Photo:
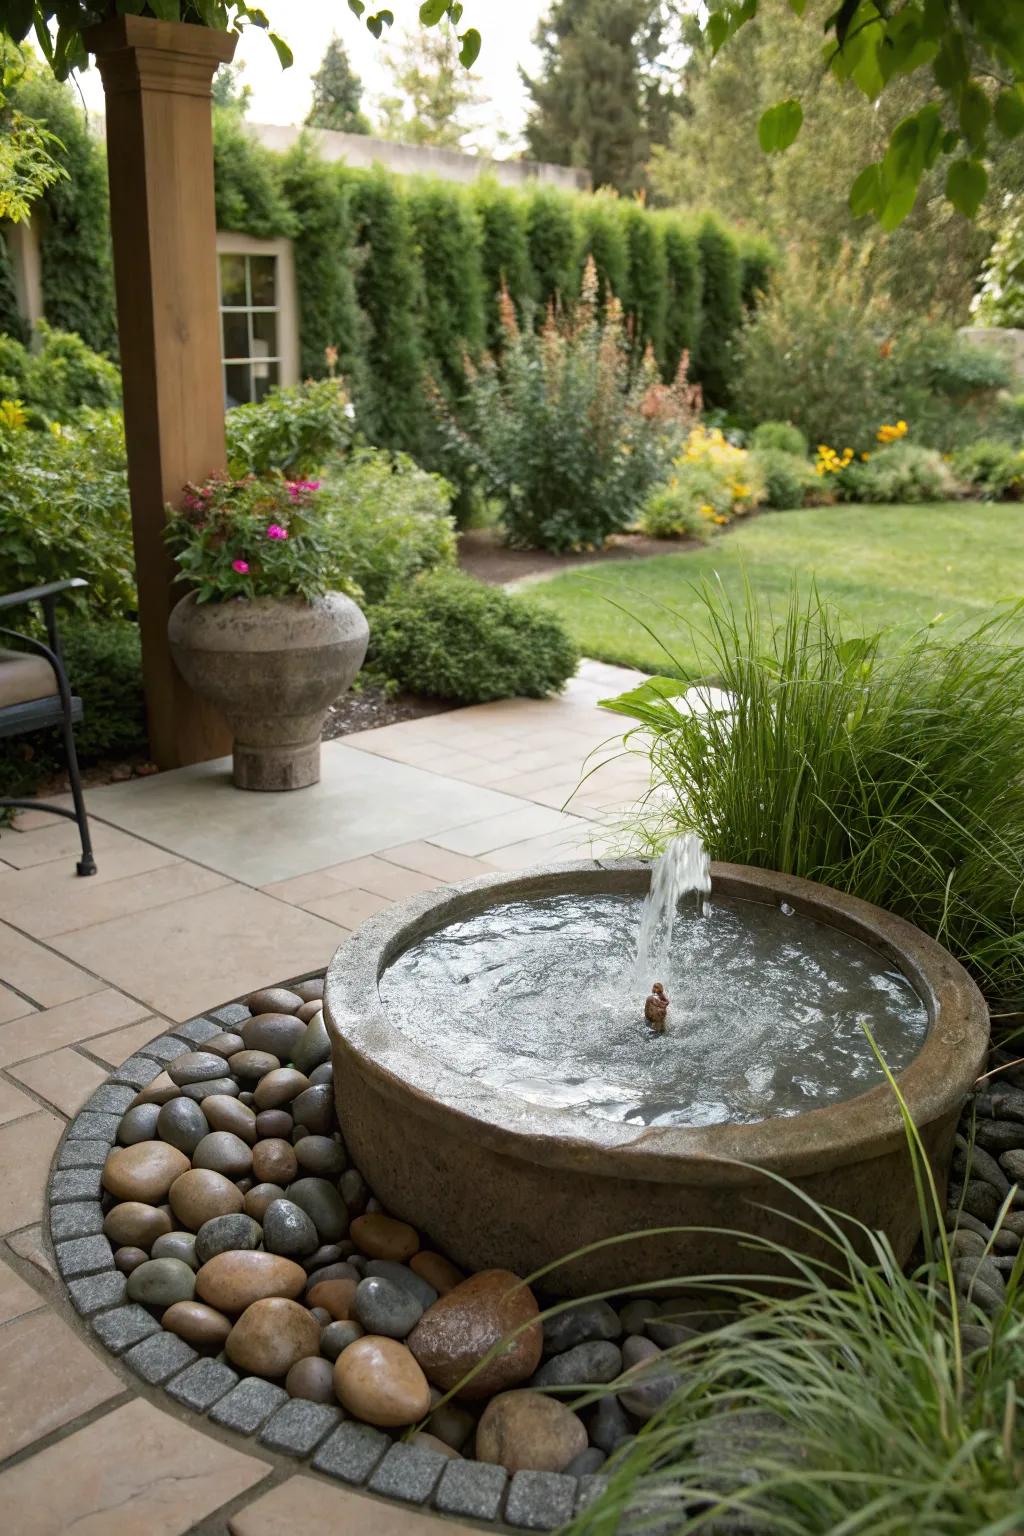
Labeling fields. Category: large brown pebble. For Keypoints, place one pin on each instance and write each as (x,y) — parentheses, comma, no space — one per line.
(127,1259)
(437,1271)
(225,1045)
(135,1225)
(377,1380)
(279,1087)
(233,1281)
(195,1067)
(197,1324)
(225,1113)
(253,1064)
(428,1442)
(274,1000)
(382,1237)
(200,1194)
(225,1153)
(271,1335)
(310,1010)
(315,1109)
(259,1197)
(274,1161)
(278,1033)
(455,1334)
(528,1432)
(335,1296)
(143,1172)
(273,1124)
(157,1092)
(311,990)
(312,1377)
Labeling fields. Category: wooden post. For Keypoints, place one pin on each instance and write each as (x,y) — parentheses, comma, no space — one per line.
(157,79)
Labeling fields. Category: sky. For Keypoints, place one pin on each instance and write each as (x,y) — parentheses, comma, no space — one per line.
(283,96)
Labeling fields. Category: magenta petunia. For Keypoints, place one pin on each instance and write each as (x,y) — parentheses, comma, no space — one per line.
(275,531)
(241,566)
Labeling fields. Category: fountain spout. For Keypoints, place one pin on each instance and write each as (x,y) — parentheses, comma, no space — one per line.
(683,869)
(656,1008)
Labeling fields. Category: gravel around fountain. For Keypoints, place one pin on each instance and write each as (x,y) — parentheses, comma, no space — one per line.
(210,1226)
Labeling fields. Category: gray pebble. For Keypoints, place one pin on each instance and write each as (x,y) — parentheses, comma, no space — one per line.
(386,1308)
(324,1073)
(981,1165)
(314,1047)
(314,1108)
(338,1336)
(138,1124)
(277,1033)
(223,1234)
(999,1135)
(323,1202)
(201,1091)
(587,1462)
(1003,1241)
(226,1044)
(288,1229)
(343,1270)
(402,1275)
(195,1067)
(160,1282)
(580,1324)
(597,1361)
(182,1124)
(634,1314)
(609,1426)
(981,1199)
(176,1245)
(224,1152)
(354,1191)
(321,1156)
(1013,1163)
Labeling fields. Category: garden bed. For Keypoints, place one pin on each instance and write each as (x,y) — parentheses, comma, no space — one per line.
(483,554)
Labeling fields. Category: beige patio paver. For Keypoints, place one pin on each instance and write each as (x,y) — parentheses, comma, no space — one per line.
(27,1146)
(134,1472)
(63,1078)
(37,903)
(349,908)
(122,1043)
(304,1506)
(16,1296)
(12,1006)
(48,1376)
(30,1245)
(441,863)
(14,1103)
(97,1014)
(40,974)
(59,843)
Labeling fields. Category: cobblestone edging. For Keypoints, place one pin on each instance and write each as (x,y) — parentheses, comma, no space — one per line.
(315,1433)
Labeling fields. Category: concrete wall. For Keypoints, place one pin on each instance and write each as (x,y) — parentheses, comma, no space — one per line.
(360,149)
(1008,343)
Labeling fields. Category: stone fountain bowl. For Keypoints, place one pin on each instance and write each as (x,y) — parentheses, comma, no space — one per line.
(497,1182)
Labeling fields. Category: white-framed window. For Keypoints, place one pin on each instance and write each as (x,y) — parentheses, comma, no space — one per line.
(259,336)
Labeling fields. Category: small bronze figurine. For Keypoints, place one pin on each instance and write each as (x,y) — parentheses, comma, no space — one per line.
(656,1008)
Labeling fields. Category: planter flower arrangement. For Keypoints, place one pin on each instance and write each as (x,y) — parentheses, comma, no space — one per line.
(260,635)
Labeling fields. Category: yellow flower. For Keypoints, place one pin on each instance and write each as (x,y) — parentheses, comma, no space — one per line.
(866,457)
(12,415)
(720,519)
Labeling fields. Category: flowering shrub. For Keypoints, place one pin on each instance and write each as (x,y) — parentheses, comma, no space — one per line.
(564,433)
(790,480)
(891,432)
(901,473)
(712,481)
(829,462)
(259,536)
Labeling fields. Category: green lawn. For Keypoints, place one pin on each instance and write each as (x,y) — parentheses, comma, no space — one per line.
(892,568)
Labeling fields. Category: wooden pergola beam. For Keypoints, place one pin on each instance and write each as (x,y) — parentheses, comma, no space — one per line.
(157,79)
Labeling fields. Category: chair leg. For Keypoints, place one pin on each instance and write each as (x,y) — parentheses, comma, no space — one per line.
(86,864)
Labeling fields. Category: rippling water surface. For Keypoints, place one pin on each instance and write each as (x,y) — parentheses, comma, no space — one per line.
(540,998)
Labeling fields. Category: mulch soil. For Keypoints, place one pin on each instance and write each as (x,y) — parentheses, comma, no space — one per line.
(483,554)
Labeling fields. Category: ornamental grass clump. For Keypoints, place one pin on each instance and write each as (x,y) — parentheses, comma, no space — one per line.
(566,433)
(258,536)
(894,775)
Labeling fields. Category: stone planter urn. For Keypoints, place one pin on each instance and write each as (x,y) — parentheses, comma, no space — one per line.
(272,665)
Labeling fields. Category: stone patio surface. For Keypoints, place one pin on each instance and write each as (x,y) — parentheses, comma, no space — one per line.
(205,893)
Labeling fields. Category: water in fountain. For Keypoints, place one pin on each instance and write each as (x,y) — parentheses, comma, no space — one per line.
(542,998)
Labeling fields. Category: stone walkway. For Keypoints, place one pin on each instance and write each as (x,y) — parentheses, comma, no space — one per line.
(203,894)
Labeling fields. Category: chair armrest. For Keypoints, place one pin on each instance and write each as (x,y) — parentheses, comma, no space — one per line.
(38,594)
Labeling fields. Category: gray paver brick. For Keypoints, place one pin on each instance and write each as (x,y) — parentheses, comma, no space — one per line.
(76,1184)
(77,1219)
(248,1405)
(84,1256)
(83,1154)
(299,1426)
(351,1453)
(111,1099)
(160,1356)
(408,1472)
(199,1029)
(95,1292)
(540,1501)
(231,1013)
(590,1488)
(471,1488)
(94,1126)
(164,1048)
(125,1326)
(137,1071)
(203,1384)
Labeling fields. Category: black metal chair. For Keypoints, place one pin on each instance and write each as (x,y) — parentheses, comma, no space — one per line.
(35,693)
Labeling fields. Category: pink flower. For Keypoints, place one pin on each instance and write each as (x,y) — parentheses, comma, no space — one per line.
(241,566)
(297,488)
(275,531)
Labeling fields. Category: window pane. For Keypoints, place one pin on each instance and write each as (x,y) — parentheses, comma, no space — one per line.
(263,276)
(264,333)
(232,280)
(237,384)
(265,375)
(236,334)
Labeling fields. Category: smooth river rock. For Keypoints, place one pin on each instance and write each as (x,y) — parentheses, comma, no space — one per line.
(279,1087)
(276,1033)
(225,1153)
(382,1237)
(310,990)
(182,1124)
(335,1296)
(197,1324)
(378,1380)
(437,1271)
(311,1378)
(273,1123)
(321,1201)
(225,1044)
(314,1108)
(321,1156)
(227,1114)
(222,1234)
(528,1432)
(138,1124)
(233,1281)
(579,1324)
(338,1335)
(455,1334)
(274,1000)
(132,1224)
(288,1230)
(595,1362)
(314,1047)
(253,1064)
(176,1245)
(143,1172)
(214,1088)
(407,1278)
(386,1308)
(129,1259)
(161,1282)
(274,1161)
(195,1067)
(271,1335)
(260,1197)
(200,1194)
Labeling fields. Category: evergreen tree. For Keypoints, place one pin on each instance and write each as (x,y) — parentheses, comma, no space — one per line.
(229,92)
(435,95)
(337,93)
(605,94)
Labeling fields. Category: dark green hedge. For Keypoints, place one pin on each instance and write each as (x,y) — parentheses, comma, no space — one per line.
(402,277)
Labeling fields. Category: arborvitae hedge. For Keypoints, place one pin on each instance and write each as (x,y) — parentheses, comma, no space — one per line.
(402,276)
(11,322)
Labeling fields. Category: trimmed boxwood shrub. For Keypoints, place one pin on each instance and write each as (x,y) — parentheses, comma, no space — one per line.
(903,473)
(781,435)
(991,469)
(451,637)
(789,479)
